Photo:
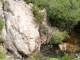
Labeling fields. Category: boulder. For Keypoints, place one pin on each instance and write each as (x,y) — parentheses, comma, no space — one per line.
(20,33)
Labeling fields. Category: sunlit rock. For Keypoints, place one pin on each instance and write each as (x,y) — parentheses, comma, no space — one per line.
(68,47)
(20,33)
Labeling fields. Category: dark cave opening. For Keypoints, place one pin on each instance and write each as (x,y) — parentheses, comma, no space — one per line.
(76,28)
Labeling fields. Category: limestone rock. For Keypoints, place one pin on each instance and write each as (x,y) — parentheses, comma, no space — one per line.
(20,34)
(69,47)
(1,10)
(45,30)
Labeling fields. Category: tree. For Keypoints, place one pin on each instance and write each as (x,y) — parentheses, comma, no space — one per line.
(61,13)
(64,13)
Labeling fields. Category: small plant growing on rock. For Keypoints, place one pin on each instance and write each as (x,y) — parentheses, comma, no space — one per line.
(3,54)
(36,56)
(1,24)
(52,59)
(0,40)
(58,37)
(66,57)
(38,15)
(0,0)
(1,27)
(28,1)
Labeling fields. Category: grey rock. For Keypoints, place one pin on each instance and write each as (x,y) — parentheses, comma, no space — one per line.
(20,34)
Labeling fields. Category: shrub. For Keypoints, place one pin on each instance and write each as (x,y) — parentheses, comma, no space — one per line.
(36,56)
(52,59)
(2,54)
(0,39)
(58,37)
(1,24)
(63,14)
(28,1)
(66,57)
(0,0)
(39,3)
(38,15)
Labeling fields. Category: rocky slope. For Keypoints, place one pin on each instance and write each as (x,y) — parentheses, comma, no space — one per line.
(21,34)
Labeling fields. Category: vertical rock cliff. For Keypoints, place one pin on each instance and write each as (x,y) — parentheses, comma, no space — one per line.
(20,33)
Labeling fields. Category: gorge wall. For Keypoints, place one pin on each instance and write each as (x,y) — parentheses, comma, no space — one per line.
(21,33)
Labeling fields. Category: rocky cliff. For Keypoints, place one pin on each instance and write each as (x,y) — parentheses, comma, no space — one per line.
(21,34)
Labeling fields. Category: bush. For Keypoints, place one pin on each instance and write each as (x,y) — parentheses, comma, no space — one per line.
(36,56)
(0,39)
(38,15)
(0,0)
(28,1)
(2,54)
(58,37)
(66,57)
(52,59)
(1,24)
(71,56)
(63,14)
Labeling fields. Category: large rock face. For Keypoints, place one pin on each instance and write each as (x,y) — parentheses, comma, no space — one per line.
(1,10)
(20,33)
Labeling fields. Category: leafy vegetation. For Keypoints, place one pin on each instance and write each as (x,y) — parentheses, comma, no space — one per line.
(1,24)
(2,54)
(36,56)
(63,14)
(0,0)
(52,59)
(37,14)
(1,27)
(66,57)
(2,51)
(58,37)
(0,39)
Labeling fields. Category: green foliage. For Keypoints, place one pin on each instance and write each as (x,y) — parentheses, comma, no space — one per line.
(39,3)
(52,59)
(71,56)
(2,54)
(38,15)
(58,37)
(61,13)
(66,57)
(28,1)
(36,56)
(1,24)
(0,39)
(0,0)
